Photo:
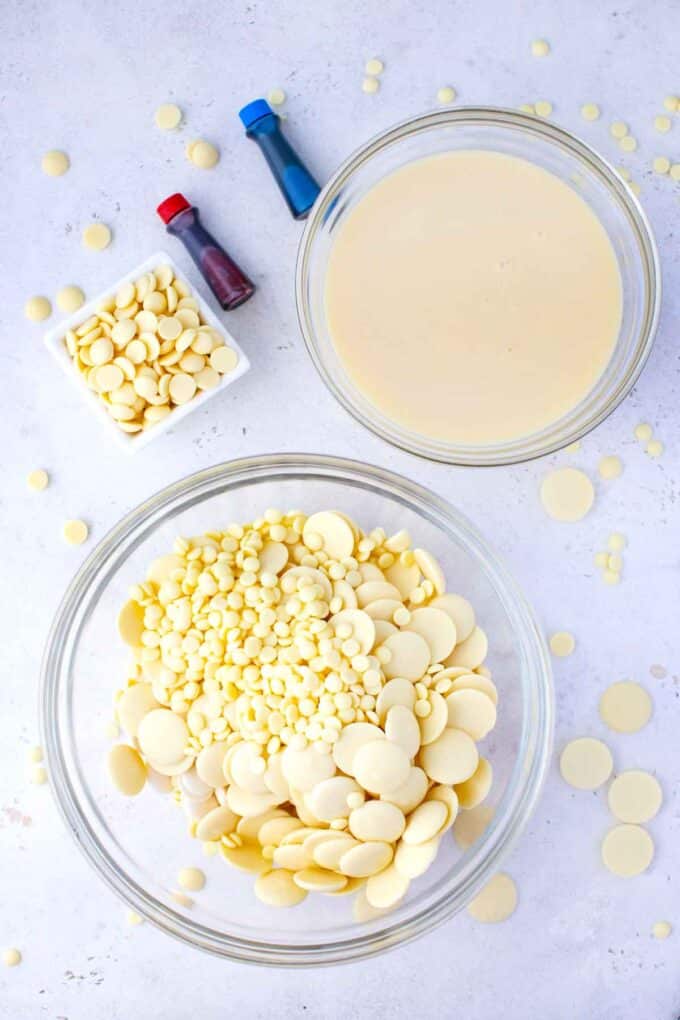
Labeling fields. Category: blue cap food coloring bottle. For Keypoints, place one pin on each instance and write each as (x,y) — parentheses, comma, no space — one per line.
(297,185)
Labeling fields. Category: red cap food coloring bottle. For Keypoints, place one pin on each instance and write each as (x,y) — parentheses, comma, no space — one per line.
(227,281)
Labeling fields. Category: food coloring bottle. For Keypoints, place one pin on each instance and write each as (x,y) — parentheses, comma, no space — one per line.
(227,281)
(297,185)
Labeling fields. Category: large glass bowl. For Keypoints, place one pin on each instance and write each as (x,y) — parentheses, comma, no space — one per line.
(138,845)
(555,150)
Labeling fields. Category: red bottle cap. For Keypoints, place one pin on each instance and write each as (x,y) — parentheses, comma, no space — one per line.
(176,203)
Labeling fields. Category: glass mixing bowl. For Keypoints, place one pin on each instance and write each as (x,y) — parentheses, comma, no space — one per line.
(137,845)
(555,150)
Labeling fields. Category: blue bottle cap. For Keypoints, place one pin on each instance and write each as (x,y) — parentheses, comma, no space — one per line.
(254,111)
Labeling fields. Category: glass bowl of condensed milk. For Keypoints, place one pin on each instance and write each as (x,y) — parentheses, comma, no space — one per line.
(139,844)
(478,286)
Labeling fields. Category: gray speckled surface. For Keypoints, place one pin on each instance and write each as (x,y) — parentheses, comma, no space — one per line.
(87,77)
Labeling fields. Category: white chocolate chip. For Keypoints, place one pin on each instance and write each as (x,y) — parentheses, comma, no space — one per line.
(451,758)
(446,95)
(627,850)
(562,643)
(11,957)
(70,299)
(96,236)
(37,309)
(75,532)
(191,879)
(540,48)
(168,117)
(38,480)
(590,111)
(370,85)
(567,494)
(625,707)
(586,763)
(203,154)
(635,796)
(127,770)
(496,901)
(55,163)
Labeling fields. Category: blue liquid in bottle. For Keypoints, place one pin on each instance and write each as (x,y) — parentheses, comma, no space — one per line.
(297,185)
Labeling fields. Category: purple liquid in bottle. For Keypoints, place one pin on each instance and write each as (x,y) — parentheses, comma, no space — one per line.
(228,282)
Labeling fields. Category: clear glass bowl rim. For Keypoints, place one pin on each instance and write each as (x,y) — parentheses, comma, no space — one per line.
(523,788)
(504,453)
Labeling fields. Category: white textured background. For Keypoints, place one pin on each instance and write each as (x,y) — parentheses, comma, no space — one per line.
(86,77)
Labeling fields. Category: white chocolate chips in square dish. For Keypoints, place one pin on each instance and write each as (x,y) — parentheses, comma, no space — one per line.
(316,697)
(147,350)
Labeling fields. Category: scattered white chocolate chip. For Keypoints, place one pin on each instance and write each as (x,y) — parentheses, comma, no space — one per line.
(55,163)
(203,154)
(662,123)
(675,171)
(610,467)
(661,164)
(562,643)
(38,480)
(96,236)
(35,753)
(616,541)
(654,448)
(627,850)
(374,66)
(628,143)
(168,116)
(635,796)
(496,901)
(370,85)
(70,299)
(446,95)
(540,48)
(590,111)
(643,432)
(567,494)
(671,103)
(543,108)
(133,918)
(661,929)
(11,957)
(619,129)
(75,532)
(38,775)
(586,763)
(625,707)
(37,309)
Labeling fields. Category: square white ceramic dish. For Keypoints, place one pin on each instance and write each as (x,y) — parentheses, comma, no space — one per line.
(54,341)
